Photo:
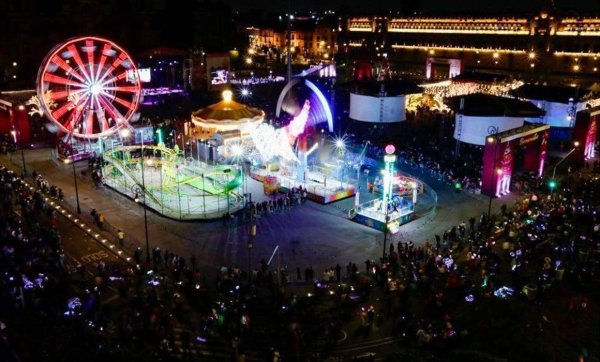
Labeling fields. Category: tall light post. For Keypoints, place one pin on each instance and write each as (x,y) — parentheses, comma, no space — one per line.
(489,213)
(143,191)
(493,138)
(388,177)
(359,165)
(151,163)
(72,162)
(575,144)
(251,235)
(340,146)
(14,134)
(552,184)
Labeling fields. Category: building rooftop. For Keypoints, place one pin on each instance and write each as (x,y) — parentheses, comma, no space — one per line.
(479,77)
(485,105)
(557,94)
(390,87)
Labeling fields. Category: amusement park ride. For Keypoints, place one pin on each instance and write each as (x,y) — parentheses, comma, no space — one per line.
(90,89)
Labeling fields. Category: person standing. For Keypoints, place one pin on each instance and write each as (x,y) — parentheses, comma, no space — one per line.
(100,220)
(121,236)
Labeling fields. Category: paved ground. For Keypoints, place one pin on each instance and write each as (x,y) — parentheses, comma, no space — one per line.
(308,234)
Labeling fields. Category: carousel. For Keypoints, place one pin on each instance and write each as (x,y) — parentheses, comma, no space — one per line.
(222,128)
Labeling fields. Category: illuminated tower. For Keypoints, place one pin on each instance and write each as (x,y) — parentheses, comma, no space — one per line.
(388,175)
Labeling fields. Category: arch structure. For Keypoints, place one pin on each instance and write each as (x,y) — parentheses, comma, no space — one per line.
(498,156)
(319,97)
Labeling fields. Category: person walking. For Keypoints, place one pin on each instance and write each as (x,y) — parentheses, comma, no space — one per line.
(121,236)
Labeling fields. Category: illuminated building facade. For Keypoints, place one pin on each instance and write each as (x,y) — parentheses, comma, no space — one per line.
(541,44)
(310,38)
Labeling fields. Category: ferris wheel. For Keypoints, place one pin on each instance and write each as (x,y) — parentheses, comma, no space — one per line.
(89,87)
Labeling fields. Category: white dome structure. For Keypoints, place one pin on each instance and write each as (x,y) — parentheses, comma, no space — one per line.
(479,115)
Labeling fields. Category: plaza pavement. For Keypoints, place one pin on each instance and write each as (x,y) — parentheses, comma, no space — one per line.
(307,235)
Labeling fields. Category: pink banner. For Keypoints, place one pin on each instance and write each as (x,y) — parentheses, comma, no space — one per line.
(590,139)
(492,155)
(585,132)
(505,170)
(542,152)
(498,160)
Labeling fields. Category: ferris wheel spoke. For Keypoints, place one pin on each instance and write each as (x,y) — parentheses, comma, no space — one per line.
(116,78)
(65,93)
(104,126)
(53,78)
(89,49)
(59,112)
(83,105)
(89,122)
(116,63)
(79,62)
(73,119)
(67,68)
(111,109)
(122,102)
(70,124)
(105,51)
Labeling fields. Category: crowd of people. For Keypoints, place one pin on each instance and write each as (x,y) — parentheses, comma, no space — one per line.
(31,261)
(536,262)
(278,203)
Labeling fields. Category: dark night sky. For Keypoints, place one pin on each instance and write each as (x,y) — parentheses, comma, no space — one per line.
(426,5)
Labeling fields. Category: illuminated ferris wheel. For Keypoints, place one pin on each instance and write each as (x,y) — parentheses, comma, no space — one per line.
(89,87)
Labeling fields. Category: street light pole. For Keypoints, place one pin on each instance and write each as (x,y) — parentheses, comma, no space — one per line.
(251,235)
(576,144)
(23,160)
(20,144)
(145,204)
(75,182)
(385,230)
(493,138)
(74,175)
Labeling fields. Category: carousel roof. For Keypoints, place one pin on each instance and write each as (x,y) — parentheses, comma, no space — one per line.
(227,113)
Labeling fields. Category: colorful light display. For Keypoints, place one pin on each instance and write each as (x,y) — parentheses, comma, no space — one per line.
(319,100)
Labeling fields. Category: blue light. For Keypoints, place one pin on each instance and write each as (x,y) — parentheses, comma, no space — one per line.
(323,101)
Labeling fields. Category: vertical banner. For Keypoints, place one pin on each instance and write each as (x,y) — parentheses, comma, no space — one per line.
(542,152)
(585,132)
(591,136)
(532,157)
(492,154)
(535,152)
(506,169)
(21,122)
